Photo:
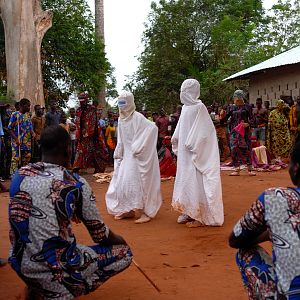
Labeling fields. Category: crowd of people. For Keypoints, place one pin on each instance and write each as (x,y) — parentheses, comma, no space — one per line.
(45,152)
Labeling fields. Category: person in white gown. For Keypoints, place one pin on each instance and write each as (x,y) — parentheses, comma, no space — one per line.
(197,191)
(135,186)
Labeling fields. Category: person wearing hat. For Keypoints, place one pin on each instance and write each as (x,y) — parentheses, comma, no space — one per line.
(88,150)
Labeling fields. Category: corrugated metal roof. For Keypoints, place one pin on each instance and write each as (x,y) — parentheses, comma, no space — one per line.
(286,58)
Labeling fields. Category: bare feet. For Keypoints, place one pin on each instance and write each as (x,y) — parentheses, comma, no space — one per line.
(251,173)
(143,219)
(183,219)
(129,214)
(194,224)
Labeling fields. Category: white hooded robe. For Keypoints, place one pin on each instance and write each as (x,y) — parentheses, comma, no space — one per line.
(197,190)
(136,180)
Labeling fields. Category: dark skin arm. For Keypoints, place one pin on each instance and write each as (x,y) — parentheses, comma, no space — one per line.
(242,242)
(113,239)
(14,136)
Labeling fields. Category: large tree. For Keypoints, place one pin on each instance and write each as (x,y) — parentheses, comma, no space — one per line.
(208,40)
(25,24)
(99,29)
(73,58)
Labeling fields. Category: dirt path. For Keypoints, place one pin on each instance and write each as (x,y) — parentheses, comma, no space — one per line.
(185,263)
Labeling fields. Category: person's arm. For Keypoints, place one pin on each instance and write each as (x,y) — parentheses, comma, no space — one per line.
(13,121)
(251,229)
(31,129)
(88,213)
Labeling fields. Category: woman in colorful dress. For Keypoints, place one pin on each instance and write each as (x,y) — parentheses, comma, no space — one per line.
(21,131)
(273,217)
(240,134)
(279,141)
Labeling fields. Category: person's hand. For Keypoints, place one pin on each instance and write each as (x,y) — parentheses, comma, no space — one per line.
(114,239)
(72,127)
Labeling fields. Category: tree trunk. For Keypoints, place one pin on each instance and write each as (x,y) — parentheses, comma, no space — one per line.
(99,29)
(25,24)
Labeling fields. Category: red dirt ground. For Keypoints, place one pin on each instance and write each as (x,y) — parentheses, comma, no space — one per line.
(185,263)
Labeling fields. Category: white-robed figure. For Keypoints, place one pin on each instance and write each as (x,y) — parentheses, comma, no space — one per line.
(197,191)
(135,186)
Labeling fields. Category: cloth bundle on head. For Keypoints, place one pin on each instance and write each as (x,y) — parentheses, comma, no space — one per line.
(83,96)
(126,105)
(190,92)
(240,95)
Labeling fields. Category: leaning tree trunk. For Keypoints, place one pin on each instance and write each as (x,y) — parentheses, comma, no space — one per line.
(99,29)
(25,24)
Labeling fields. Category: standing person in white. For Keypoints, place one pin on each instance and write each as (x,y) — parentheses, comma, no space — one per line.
(197,191)
(135,186)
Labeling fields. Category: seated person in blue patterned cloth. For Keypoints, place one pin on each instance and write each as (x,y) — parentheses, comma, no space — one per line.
(44,198)
(274,216)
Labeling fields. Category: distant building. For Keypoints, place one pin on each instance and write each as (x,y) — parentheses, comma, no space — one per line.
(279,75)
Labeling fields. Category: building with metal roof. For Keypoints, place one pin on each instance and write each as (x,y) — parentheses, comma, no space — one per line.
(275,77)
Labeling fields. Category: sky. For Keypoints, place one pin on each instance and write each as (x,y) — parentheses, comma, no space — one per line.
(123,26)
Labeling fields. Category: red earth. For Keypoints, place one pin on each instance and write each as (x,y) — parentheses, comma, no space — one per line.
(185,263)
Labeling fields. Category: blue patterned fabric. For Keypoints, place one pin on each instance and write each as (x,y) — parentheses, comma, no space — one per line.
(44,199)
(278,211)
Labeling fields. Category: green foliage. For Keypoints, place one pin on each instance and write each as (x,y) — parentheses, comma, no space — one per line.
(207,40)
(72,58)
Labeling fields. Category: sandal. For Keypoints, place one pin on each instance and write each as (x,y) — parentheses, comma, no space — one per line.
(235,173)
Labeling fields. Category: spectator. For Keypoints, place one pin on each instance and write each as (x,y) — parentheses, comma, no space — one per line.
(38,124)
(162,122)
(45,199)
(273,217)
(260,120)
(21,131)
(53,115)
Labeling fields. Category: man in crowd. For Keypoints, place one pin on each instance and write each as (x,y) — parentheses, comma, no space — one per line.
(21,131)
(53,115)
(88,152)
(5,160)
(135,186)
(273,217)
(197,191)
(38,124)
(44,198)
(72,127)
(294,117)
(260,121)
(162,122)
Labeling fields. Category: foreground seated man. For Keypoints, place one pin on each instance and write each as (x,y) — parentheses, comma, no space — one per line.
(275,217)
(135,186)
(44,198)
